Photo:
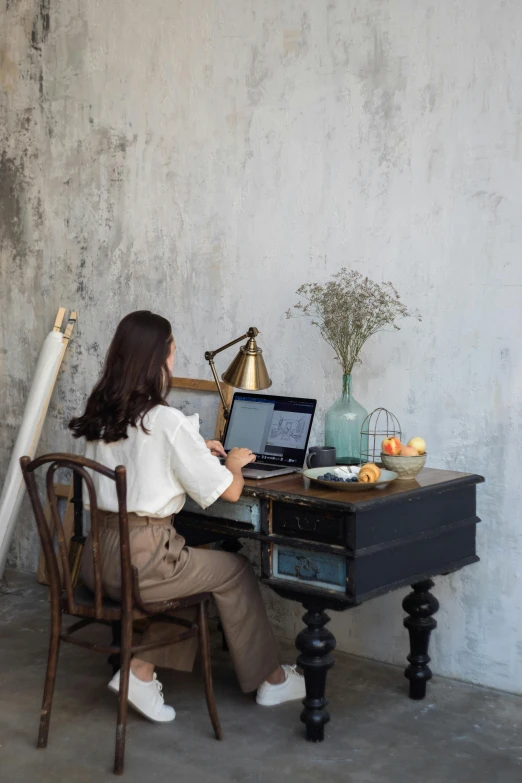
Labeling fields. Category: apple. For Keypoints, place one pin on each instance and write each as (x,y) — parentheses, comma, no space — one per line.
(391,446)
(409,451)
(418,444)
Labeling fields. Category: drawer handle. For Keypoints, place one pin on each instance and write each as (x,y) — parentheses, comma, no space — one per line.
(310,527)
(305,565)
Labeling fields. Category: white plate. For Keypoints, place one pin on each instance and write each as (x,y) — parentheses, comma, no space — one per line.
(386,477)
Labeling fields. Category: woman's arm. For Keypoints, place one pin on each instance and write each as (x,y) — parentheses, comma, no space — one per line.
(216,448)
(200,474)
(236,460)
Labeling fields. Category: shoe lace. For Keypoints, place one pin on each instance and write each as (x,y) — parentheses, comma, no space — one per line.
(291,670)
(159,686)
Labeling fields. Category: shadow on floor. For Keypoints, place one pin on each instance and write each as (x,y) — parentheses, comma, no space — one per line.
(459,734)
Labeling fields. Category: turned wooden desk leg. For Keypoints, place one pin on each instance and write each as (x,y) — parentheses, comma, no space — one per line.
(315,643)
(420,606)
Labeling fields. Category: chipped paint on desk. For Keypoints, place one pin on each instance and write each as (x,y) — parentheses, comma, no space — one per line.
(246,510)
(314,568)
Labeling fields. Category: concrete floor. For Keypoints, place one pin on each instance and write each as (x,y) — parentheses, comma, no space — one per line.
(460,734)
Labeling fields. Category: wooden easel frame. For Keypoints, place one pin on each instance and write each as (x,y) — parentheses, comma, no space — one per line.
(210,386)
(62,490)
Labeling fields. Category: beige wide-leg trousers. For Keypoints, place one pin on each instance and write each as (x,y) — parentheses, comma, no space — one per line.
(168,570)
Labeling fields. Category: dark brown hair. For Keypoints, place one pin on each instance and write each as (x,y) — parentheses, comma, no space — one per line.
(134,379)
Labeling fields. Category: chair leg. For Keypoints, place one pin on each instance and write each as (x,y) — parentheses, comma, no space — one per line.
(50,678)
(121,727)
(114,660)
(204,644)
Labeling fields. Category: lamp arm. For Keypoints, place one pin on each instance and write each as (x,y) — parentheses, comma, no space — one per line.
(252,332)
(226,411)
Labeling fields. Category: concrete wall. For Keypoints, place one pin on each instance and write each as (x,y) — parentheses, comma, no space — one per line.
(203,158)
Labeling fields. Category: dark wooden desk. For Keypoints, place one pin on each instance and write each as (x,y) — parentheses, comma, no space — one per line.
(334,550)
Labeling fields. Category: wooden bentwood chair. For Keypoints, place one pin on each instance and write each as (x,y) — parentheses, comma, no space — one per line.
(94,607)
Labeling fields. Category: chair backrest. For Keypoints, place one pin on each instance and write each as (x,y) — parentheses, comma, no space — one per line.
(79,466)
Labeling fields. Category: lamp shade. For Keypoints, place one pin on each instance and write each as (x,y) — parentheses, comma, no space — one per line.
(248,370)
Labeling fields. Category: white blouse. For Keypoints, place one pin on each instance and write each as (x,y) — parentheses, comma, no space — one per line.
(162,468)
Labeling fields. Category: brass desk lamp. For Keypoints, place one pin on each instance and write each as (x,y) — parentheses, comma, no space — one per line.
(247,371)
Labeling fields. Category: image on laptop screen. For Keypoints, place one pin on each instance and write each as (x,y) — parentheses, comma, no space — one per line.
(276,429)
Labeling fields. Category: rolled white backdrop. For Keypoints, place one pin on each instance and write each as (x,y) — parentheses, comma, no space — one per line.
(27,441)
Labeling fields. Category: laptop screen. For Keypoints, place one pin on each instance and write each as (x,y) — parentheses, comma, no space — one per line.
(276,429)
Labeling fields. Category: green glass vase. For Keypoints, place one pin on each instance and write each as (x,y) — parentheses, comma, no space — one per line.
(343,425)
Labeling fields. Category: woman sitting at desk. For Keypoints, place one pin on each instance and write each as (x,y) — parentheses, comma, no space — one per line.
(128,422)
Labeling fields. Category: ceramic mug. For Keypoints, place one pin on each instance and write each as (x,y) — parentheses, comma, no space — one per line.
(321,457)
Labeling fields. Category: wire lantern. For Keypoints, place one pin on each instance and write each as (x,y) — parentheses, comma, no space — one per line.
(379,424)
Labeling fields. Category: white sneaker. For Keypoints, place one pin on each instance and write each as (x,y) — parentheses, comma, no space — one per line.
(292,688)
(145,697)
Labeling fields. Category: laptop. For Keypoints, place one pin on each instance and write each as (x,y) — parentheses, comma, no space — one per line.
(276,429)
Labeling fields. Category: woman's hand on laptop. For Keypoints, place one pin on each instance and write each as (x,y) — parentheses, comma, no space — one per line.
(216,448)
(238,458)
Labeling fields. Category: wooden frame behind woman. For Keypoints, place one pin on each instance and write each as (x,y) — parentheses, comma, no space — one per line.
(208,386)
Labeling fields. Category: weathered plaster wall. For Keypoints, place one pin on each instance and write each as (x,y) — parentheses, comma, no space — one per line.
(205,157)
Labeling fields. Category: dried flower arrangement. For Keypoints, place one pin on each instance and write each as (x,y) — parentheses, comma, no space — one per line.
(349,309)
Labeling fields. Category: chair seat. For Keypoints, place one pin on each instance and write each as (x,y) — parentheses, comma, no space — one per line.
(85,597)
(84,600)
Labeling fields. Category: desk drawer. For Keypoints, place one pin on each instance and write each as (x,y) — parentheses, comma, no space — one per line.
(246,511)
(305,567)
(308,523)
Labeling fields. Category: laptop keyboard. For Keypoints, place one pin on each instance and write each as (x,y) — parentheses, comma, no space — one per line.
(260,466)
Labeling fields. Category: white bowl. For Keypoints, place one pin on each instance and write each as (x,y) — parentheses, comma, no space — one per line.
(386,477)
(406,468)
